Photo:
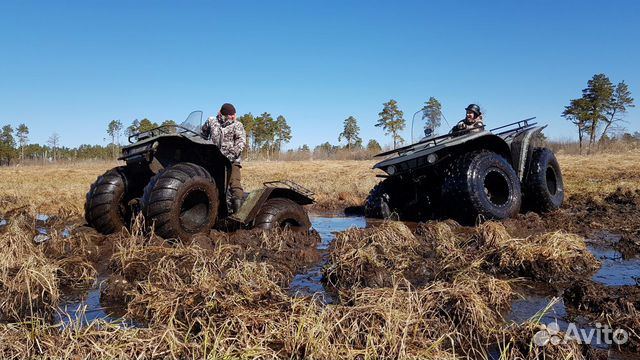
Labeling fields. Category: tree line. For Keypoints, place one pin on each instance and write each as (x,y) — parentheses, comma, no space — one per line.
(14,146)
(598,116)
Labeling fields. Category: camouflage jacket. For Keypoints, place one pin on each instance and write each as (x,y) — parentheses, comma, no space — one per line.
(227,135)
(464,125)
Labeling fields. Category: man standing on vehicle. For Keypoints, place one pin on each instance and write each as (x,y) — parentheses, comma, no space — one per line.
(228,134)
(472,121)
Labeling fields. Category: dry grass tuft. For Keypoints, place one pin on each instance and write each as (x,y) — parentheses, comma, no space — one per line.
(374,257)
(517,342)
(550,257)
(28,283)
(76,272)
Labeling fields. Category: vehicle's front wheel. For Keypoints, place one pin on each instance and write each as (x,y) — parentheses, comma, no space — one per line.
(282,213)
(381,199)
(481,184)
(106,208)
(181,201)
(543,187)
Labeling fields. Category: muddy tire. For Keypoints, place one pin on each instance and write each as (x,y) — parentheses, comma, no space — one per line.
(543,187)
(481,184)
(379,201)
(181,201)
(282,213)
(106,208)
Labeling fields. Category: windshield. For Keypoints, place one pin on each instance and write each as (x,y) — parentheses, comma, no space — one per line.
(427,123)
(193,121)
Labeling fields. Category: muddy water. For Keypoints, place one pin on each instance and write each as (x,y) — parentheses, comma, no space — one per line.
(533,298)
(616,269)
(309,282)
(85,307)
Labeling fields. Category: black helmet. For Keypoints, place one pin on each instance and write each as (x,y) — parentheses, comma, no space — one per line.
(474,108)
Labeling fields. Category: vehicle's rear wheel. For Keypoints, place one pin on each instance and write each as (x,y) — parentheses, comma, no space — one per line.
(106,208)
(543,187)
(282,213)
(380,201)
(481,184)
(181,201)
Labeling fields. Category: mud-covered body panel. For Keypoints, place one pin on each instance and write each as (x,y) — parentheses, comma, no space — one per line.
(254,201)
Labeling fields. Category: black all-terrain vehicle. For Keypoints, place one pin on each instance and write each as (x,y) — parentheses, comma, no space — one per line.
(469,175)
(178,180)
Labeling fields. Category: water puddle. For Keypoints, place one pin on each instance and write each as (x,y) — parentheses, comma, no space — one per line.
(3,223)
(533,299)
(310,282)
(43,229)
(84,307)
(616,270)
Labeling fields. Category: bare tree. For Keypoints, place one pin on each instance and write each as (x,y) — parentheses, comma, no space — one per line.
(54,142)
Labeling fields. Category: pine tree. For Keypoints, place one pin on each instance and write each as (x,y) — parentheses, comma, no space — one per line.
(7,144)
(617,107)
(373,146)
(282,132)
(350,132)
(432,114)
(23,138)
(248,121)
(391,121)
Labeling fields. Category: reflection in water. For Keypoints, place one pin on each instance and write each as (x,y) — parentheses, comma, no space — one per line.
(615,270)
(310,282)
(85,307)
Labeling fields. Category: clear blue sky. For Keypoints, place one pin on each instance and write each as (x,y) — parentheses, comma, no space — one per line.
(72,66)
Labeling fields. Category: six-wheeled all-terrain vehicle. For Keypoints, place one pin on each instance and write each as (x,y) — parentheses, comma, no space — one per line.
(178,180)
(469,175)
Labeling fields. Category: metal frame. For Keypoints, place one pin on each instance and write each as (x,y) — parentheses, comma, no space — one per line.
(521,124)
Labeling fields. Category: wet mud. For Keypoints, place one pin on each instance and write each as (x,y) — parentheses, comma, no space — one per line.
(469,271)
(616,306)
(613,220)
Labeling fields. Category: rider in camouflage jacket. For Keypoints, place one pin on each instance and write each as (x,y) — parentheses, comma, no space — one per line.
(229,136)
(473,121)
(226,133)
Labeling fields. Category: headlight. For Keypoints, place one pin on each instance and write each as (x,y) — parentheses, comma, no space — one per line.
(432,158)
(391,170)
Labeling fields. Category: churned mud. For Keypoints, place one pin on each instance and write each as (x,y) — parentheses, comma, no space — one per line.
(435,289)
(618,306)
(612,220)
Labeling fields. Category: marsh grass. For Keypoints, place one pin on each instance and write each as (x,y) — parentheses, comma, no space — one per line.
(337,183)
(28,282)
(437,292)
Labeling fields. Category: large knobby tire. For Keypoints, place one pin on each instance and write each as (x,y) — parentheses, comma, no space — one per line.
(106,208)
(543,187)
(282,213)
(379,203)
(481,184)
(181,201)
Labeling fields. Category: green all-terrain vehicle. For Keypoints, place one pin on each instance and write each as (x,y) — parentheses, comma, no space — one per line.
(179,180)
(467,175)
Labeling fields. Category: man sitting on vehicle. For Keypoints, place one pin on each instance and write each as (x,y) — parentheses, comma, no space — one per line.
(229,136)
(472,122)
